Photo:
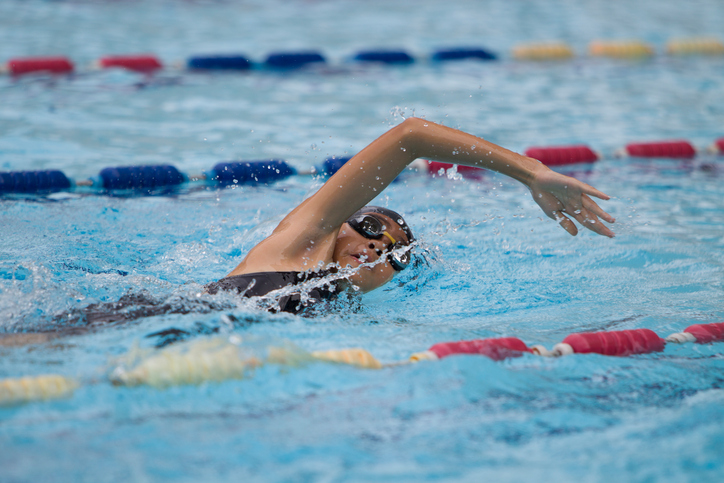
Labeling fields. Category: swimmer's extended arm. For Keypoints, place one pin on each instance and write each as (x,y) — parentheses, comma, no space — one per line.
(369,172)
(555,193)
(305,238)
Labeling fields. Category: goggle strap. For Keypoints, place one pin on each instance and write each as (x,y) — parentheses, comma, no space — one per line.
(390,237)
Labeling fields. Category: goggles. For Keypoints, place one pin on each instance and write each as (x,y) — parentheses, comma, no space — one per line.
(371,227)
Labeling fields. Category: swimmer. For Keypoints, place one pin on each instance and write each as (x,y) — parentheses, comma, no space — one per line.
(334,231)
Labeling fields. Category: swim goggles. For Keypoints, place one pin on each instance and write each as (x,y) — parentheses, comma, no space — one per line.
(373,228)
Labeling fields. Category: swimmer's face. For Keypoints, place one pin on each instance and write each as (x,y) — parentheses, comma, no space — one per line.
(352,250)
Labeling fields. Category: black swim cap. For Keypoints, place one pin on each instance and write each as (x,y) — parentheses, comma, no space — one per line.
(396,217)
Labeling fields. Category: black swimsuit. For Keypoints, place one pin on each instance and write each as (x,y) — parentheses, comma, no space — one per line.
(261,283)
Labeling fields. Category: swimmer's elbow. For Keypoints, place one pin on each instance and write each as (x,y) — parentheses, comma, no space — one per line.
(413,126)
(410,132)
(415,122)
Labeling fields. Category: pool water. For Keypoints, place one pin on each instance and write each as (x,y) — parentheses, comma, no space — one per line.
(490,263)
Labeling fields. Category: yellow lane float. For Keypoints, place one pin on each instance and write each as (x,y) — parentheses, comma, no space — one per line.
(542,51)
(620,49)
(194,362)
(354,357)
(35,388)
(696,46)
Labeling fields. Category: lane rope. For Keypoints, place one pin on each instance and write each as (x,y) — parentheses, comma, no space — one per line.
(154,179)
(292,60)
(219,359)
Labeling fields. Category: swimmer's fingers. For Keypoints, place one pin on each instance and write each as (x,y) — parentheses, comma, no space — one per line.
(569,191)
(586,212)
(593,207)
(588,219)
(554,209)
(565,223)
(590,190)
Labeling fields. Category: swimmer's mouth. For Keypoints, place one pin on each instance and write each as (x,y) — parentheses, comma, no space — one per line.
(360,259)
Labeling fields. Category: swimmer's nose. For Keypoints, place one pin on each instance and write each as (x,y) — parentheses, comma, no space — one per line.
(378,250)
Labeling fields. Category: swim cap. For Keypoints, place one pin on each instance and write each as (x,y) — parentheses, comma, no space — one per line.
(396,217)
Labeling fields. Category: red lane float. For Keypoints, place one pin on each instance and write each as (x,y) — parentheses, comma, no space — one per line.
(718,146)
(705,333)
(661,149)
(562,155)
(434,167)
(31,65)
(138,63)
(496,349)
(617,343)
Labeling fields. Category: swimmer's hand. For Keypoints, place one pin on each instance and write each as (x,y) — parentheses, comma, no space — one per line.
(557,194)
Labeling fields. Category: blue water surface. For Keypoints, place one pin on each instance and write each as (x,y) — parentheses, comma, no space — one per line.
(489,263)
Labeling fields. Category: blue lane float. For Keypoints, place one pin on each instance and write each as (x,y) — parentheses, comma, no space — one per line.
(141,177)
(293,60)
(33,181)
(463,54)
(384,57)
(147,179)
(219,62)
(332,165)
(250,172)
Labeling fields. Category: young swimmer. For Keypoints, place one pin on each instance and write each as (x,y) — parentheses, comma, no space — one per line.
(333,229)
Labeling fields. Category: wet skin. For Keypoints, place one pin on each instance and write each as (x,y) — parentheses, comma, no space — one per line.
(354,250)
(315,235)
